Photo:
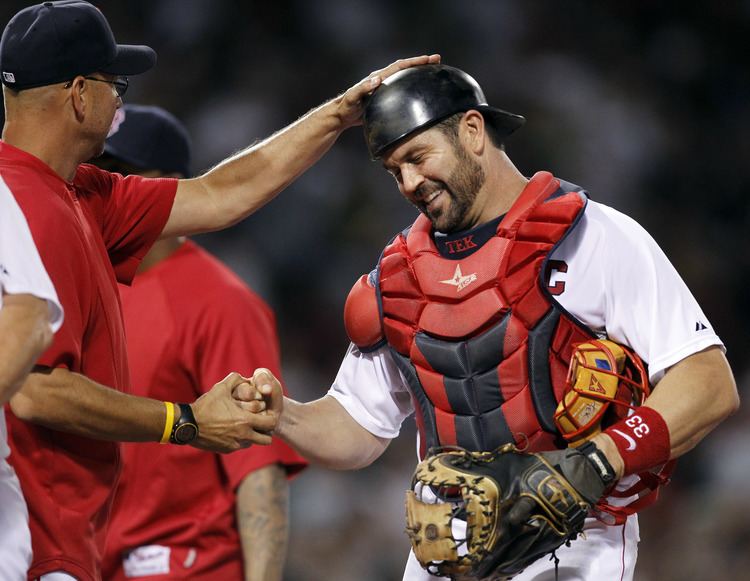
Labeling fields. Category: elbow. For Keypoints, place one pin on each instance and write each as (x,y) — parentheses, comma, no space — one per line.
(374,449)
(732,403)
(45,337)
(354,459)
(23,404)
(361,462)
(727,402)
(22,407)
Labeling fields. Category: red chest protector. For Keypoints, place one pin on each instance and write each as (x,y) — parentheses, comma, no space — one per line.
(482,344)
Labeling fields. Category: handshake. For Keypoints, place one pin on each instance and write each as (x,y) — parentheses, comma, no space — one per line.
(238,412)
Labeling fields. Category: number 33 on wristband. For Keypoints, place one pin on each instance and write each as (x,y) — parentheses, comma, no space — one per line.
(640,428)
(642,440)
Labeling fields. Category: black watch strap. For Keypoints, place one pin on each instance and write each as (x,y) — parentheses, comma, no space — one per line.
(599,461)
(185,428)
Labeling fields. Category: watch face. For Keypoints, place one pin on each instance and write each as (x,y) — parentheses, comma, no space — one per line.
(185,433)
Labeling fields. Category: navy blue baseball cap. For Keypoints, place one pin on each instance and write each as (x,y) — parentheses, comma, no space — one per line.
(54,42)
(149,138)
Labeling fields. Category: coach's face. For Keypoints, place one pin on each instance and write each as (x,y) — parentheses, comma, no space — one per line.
(100,102)
(439,176)
(110,102)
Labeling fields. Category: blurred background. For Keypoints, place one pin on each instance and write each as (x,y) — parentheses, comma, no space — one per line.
(646,105)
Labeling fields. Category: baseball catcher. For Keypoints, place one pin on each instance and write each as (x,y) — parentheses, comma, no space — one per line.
(481,320)
(488,515)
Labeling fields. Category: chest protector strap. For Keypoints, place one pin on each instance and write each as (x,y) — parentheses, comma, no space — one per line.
(482,344)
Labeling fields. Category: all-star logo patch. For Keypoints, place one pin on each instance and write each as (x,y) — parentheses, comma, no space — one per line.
(459,280)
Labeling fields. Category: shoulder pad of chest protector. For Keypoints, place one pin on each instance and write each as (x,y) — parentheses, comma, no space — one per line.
(361,315)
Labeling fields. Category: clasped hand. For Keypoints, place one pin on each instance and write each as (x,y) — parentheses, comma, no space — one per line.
(238,412)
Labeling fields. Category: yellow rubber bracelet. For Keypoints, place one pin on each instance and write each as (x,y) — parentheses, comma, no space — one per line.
(168,423)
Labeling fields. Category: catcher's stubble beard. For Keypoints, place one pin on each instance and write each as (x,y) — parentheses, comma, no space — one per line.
(461,186)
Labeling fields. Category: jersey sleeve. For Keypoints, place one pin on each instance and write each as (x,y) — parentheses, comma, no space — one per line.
(622,284)
(21,268)
(132,211)
(239,334)
(372,390)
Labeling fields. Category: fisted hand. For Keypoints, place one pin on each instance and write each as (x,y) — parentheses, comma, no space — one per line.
(235,414)
(351,102)
(263,391)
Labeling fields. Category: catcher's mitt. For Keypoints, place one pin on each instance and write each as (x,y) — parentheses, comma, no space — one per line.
(488,515)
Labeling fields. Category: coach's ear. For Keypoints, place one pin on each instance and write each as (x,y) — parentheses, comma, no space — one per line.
(78,93)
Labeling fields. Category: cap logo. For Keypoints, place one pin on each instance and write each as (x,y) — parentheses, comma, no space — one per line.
(9,77)
(118,120)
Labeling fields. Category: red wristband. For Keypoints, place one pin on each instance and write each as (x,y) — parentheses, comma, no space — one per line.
(642,440)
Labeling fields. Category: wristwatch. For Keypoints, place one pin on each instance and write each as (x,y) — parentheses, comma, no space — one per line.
(185,428)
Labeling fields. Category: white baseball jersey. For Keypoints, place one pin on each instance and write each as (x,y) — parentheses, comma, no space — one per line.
(21,272)
(613,277)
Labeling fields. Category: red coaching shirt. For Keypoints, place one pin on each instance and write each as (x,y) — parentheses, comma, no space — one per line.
(90,233)
(189,321)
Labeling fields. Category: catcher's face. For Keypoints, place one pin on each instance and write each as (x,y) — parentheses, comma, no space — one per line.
(439,177)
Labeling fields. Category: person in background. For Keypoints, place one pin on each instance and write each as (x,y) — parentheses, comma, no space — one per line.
(188,320)
(64,76)
(30,313)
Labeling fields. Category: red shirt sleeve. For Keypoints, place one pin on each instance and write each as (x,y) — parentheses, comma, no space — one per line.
(132,212)
(239,334)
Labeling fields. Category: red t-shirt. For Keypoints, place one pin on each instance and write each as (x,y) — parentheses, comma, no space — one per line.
(189,321)
(90,234)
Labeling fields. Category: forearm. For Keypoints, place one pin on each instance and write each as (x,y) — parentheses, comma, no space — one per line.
(241,184)
(694,396)
(24,333)
(70,402)
(699,393)
(263,523)
(324,433)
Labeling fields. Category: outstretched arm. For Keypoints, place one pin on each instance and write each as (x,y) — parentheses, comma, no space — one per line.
(71,402)
(241,184)
(324,433)
(321,430)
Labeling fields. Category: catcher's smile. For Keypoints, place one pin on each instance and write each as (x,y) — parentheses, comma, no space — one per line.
(432,201)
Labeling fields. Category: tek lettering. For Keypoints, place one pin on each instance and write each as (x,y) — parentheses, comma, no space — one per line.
(460,245)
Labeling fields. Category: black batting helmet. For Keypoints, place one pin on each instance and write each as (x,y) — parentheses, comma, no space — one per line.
(420,96)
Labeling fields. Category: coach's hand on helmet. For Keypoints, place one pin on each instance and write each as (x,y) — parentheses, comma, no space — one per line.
(350,104)
(227,423)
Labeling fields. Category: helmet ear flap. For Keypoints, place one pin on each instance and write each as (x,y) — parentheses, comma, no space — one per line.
(605,381)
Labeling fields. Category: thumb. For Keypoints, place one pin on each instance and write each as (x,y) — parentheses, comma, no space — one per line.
(269,387)
(275,402)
